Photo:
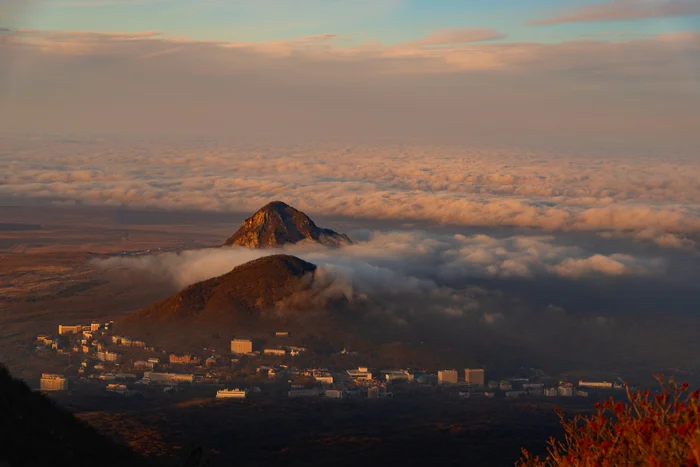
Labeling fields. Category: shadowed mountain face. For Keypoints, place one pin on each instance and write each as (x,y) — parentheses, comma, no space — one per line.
(251,293)
(36,432)
(277,224)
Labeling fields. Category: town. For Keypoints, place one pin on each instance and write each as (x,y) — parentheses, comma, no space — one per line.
(124,366)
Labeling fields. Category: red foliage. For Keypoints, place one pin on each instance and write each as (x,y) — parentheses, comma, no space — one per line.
(645,431)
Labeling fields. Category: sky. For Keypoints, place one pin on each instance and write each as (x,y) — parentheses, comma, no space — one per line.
(566,72)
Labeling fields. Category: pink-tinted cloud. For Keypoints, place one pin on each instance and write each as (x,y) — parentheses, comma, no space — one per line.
(622,10)
(458,36)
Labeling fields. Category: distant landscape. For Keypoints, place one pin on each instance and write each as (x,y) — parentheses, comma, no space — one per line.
(317,327)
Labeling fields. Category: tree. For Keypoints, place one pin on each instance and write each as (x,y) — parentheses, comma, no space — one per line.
(653,431)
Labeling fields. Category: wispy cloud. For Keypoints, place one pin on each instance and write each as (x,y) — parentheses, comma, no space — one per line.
(622,10)
(458,36)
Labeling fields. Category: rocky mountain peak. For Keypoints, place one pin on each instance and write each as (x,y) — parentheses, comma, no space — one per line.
(277,224)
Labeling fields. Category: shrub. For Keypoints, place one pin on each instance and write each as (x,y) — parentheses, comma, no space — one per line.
(655,431)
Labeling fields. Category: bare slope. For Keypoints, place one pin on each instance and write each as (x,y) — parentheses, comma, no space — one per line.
(248,291)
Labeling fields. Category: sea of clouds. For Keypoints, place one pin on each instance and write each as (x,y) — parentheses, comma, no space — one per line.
(558,256)
(650,197)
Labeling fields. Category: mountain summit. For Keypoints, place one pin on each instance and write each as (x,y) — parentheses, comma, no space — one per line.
(277,224)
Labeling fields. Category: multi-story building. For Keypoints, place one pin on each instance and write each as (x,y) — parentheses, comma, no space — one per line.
(362,373)
(53,382)
(117,388)
(474,377)
(447,377)
(94,326)
(241,346)
(185,359)
(107,356)
(505,386)
(232,394)
(565,391)
(334,393)
(325,378)
(595,384)
(313,392)
(396,375)
(69,329)
(295,351)
(150,377)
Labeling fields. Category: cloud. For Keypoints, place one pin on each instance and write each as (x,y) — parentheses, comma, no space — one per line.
(413,262)
(458,36)
(614,265)
(326,87)
(504,302)
(623,10)
(658,201)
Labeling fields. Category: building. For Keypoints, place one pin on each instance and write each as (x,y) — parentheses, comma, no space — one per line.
(117,388)
(551,392)
(211,361)
(107,356)
(282,334)
(295,351)
(150,377)
(232,394)
(447,377)
(474,377)
(94,326)
(313,392)
(125,376)
(185,359)
(334,394)
(275,352)
(505,386)
(595,384)
(566,392)
(143,365)
(52,382)
(241,346)
(324,378)
(70,329)
(396,375)
(362,373)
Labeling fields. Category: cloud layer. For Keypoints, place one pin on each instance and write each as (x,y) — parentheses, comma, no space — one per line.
(412,262)
(645,196)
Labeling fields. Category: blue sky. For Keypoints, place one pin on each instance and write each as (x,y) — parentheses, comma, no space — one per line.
(386,21)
